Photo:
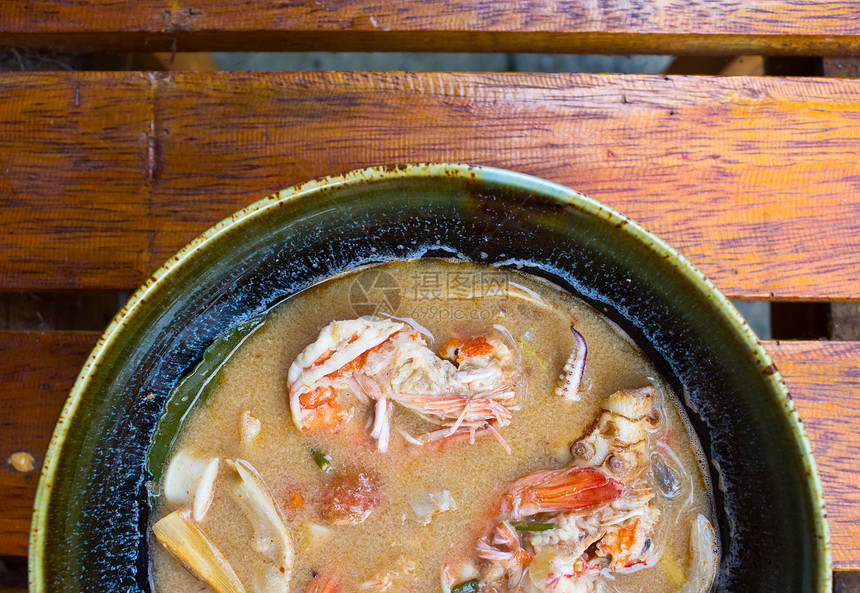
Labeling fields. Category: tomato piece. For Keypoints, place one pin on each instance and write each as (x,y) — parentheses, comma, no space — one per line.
(350,497)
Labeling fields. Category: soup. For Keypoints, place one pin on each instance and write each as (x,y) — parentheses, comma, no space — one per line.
(459,428)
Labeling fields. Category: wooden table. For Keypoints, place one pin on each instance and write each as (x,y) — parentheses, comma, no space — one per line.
(756,180)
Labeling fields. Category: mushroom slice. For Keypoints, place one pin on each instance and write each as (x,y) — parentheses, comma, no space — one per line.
(189,479)
(271,538)
(205,492)
(182,537)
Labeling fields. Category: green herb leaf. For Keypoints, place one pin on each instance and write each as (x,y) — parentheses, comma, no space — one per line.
(472,586)
(526,526)
(322,460)
(193,390)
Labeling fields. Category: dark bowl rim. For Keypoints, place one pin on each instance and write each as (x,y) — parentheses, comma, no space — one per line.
(116,330)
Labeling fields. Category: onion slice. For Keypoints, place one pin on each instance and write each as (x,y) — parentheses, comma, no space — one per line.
(571,379)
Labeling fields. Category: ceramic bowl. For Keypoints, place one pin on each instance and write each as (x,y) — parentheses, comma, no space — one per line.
(91,512)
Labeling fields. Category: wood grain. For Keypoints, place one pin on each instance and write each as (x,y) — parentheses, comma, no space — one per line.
(38,368)
(824,380)
(103,176)
(826,27)
(73,181)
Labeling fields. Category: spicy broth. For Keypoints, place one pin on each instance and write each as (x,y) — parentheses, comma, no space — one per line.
(447,298)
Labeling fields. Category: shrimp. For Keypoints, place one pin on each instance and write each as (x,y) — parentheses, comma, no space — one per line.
(560,530)
(381,362)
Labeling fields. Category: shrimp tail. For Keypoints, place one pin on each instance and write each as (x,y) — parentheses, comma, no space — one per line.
(554,491)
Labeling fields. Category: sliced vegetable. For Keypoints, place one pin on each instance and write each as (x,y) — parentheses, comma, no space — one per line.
(322,460)
(473,586)
(193,390)
(205,493)
(182,537)
(190,480)
(526,526)
(271,538)
(704,553)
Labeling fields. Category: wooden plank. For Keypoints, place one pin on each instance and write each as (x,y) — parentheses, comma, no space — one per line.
(73,181)
(826,27)
(824,380)
(37,370)
(755,180)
